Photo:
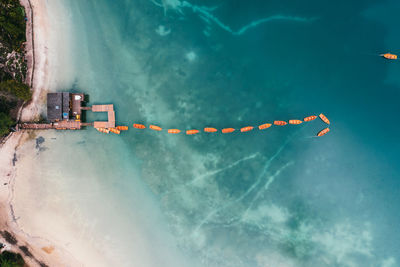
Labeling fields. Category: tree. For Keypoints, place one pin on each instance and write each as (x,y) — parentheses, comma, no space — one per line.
(5,123)
(9,259)
(17,89)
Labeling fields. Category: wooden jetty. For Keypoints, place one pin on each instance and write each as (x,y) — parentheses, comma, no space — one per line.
(36,126)
(111,116)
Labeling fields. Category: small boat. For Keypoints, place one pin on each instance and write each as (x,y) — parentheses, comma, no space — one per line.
(122,128)
(295,122)
(116,131)
(210,130)
(323,132)
(310,118)
(138,126)
(174,131)
(324,118)
(389,56)
(228,130)
(264,126)
(155,127)
(103,130)
(190,132)
(246,129)
(280,123)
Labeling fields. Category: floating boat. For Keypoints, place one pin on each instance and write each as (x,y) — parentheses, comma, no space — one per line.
(138,126)
(189,132)
(246,129)
(389,56)
(295,122)
(116,131)
(103,130)
(323,132)
(155,127)
(280,123)
(174,131)
(122,128)
(264,126)
(228,130)
(210,130)
(310,118)
(324,118)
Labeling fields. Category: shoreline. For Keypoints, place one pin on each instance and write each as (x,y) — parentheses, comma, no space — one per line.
(36,251)
(30,41)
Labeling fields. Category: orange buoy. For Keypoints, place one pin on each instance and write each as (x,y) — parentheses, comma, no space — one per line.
(139,126)
(189,132)
(122,128)
(280,123)
(174,131)
(323,132)
(295,122)
(246,129)
(228,130)
(324,118)
(116,131)
(155,128)
(210,130)
(264,126)
(389,56)
(310,118)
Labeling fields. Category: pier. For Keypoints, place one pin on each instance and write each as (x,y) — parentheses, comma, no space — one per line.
(64,112)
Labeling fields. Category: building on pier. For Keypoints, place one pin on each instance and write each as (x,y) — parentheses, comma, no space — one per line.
(64,106)
(64,112)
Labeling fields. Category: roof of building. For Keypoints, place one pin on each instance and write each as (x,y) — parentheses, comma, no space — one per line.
(54,106)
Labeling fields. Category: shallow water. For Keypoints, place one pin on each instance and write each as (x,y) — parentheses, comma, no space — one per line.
(273,198)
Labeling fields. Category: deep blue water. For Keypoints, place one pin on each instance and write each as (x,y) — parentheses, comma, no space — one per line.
(273,198)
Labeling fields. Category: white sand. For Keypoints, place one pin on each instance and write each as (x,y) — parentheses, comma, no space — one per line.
(35,244)
(43,248)
(40,81)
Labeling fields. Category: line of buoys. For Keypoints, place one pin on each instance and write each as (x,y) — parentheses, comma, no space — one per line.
(228,130)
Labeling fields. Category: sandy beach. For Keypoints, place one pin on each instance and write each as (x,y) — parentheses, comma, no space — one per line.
(36,250)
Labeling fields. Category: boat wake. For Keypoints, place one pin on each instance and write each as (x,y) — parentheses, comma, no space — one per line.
(205,13)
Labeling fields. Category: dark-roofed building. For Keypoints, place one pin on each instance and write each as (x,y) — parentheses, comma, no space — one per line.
(64,106)
(54,106)
(66,98)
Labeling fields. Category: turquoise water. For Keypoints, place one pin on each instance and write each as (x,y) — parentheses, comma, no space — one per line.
(273,198)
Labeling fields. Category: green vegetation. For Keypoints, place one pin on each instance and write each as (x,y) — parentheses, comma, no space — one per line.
(9,259)
(13,92)
(16,89)
(12,24)
(5,123)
